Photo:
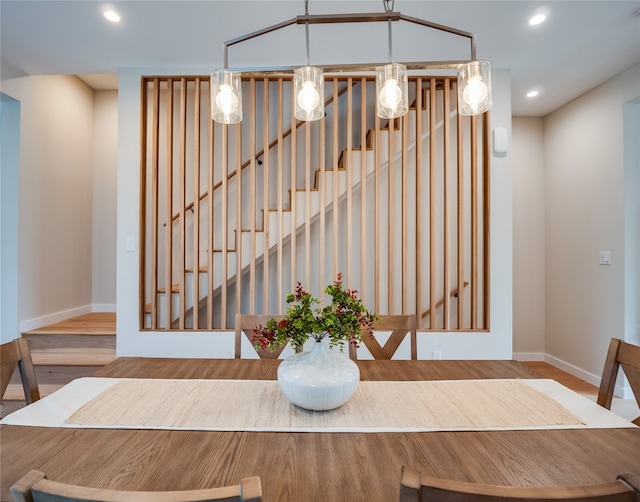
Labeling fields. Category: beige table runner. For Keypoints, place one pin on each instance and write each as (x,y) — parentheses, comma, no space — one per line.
(259,405)
(242,405)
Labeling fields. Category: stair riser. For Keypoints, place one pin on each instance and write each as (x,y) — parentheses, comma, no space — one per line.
(61,341)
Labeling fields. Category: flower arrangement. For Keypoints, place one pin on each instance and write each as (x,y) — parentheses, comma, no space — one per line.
(342,320)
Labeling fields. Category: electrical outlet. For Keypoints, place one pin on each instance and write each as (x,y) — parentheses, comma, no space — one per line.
(437,354)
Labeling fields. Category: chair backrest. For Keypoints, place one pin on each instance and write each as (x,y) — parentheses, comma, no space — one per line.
(35,487)
(400,326)
(417,487)
(14,354)
(246,323)
(627,356)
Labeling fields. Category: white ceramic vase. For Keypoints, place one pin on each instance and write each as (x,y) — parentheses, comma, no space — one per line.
(320,379)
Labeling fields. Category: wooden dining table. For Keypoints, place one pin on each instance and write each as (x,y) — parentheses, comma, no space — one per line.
(313,466)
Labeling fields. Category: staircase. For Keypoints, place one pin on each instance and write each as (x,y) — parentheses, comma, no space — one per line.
(67,350)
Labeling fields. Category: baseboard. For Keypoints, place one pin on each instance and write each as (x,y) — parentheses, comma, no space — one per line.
(623,391)
(104,307)
(38,322)
(528,356)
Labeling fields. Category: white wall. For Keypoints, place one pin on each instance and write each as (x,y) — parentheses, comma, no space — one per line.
(9,183)
(66,214)
(105,168)
(584,185)
(527,161)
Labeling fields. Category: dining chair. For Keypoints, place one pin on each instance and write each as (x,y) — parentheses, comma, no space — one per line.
(246,323)
(627,356)
(400,326)
(16,354)
(35,487)
(417,487)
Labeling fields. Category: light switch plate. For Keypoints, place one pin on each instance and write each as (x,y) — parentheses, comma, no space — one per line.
(605,257)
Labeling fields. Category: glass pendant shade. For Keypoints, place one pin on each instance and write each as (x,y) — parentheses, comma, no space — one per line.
(474,88)
(392,91)
(226,97)
(308,89)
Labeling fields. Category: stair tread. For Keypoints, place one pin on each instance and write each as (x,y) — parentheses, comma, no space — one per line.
(97,323)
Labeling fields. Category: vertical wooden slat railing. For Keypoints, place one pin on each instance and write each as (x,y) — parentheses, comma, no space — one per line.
(394,206)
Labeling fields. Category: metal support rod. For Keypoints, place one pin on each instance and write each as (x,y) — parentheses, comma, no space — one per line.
(390,46)
(306,30)
(389,16)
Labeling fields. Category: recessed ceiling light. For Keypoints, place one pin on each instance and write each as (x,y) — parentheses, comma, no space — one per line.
(112,16)
(532,94)
(537,19)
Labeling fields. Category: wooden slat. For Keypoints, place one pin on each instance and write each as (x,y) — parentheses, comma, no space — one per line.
(377,260)
(154,202)
(266,206)
(446,310)
(391,212)
(336,149)
(225,221)
(168,268)
(183,217)
(418,230)
(432,202)
(363,187)
(196,205)
(460,217)
(252,199)
(486,218)
(142,255)
(404,203)
(292,198)
(239,207)
(307,210)
(348,165)
(474,223)
(211,208)
(280,175)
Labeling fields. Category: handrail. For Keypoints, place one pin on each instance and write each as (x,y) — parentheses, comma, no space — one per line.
(440,303)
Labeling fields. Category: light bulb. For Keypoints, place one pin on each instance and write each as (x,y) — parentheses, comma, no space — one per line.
(308,97)
(390,94)
(475,91)
(226,100)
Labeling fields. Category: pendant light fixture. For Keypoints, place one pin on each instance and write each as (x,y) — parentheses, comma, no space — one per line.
(308,86)
(474,88)
(392,97)
(391,82)
(226,97)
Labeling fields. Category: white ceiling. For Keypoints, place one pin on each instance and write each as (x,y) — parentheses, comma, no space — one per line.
(581,45)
